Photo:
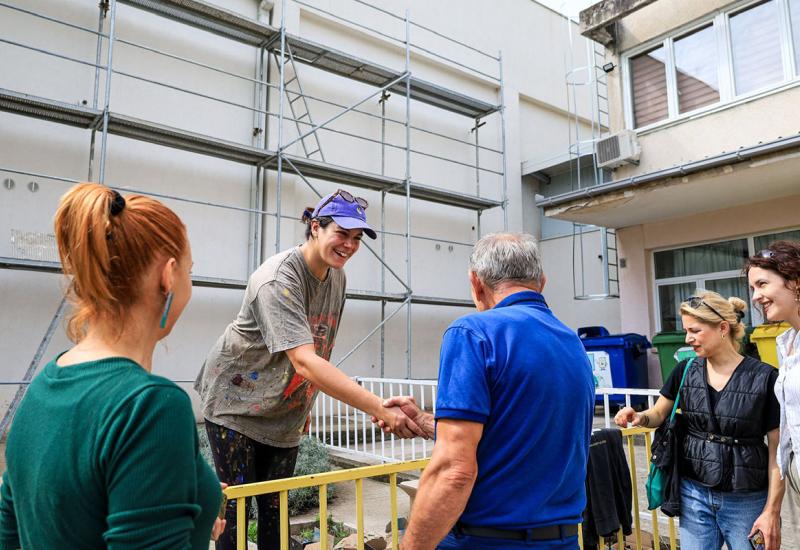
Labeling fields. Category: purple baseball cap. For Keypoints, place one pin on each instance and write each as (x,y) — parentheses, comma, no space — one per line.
(348,215)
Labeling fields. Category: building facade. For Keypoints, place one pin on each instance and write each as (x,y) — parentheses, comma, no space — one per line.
(708,89)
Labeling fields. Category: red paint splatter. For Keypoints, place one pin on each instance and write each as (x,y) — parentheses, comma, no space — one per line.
(294,384)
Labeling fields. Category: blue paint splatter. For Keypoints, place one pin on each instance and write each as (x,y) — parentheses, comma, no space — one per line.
(254,375)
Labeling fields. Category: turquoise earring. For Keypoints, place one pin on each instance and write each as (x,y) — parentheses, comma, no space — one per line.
(167,305)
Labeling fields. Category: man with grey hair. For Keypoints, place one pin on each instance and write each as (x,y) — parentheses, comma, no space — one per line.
(513,416)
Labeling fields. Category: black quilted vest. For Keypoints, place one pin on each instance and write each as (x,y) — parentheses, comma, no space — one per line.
(729,454)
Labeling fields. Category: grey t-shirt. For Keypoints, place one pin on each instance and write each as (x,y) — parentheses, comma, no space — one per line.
(247,382)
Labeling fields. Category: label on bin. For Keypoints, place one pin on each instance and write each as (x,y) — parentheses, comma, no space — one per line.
(601,369)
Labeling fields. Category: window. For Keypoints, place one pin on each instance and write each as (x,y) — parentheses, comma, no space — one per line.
(649,76)
(756,47)
(794,15)
(696,70)
(763,241)
(714,266)
(744,51)
(707,258)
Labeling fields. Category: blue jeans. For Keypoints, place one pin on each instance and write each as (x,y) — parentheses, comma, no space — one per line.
(709,517)
(468,542)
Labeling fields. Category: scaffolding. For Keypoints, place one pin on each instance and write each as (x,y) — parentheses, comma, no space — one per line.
(294,107)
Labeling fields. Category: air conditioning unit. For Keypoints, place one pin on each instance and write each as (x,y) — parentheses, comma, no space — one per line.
(618,149)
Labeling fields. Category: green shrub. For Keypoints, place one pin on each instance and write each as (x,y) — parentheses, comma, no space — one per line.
(313,458)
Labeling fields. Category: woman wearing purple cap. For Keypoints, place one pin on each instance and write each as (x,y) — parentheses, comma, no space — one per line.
(260,379)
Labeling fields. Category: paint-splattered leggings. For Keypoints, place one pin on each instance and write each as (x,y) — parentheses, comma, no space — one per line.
(239,459)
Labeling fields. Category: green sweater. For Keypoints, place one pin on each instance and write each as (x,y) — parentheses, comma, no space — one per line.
(104,454)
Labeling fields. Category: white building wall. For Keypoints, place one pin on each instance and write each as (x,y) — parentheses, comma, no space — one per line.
(534,46)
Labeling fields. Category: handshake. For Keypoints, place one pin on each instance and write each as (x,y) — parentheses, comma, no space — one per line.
(402,417)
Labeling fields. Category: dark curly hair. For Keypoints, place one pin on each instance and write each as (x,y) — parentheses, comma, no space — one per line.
(782,257)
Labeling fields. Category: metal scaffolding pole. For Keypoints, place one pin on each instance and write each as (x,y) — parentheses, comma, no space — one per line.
(384,98)
(408,193)
(103,9)
(259,140)
(475,130)
(32,368)
(503,138)
(107,99)
(281,92)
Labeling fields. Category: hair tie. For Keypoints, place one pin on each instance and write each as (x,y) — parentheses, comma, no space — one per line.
(117,203)
(739,315)
(308,213)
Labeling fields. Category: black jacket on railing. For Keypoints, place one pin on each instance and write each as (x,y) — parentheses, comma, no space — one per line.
(608,489)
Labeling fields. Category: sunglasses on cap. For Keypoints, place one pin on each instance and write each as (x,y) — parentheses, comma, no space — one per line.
(696,301)
(767,254)
(347,197)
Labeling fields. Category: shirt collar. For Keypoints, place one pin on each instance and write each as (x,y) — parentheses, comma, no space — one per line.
(523,296)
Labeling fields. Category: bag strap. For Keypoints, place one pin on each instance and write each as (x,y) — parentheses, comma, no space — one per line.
(678,397)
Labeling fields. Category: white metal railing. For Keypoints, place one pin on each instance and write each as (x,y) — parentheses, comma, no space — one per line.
(345,428)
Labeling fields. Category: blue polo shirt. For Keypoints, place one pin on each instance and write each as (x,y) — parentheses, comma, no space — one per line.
(525,376)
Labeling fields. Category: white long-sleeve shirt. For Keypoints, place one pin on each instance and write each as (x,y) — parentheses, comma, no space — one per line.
(787,389)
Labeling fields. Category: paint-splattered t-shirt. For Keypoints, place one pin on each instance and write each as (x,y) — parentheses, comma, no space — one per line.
(248,383)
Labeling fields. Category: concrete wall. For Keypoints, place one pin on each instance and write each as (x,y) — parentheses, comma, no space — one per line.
(535,48)
(557,255)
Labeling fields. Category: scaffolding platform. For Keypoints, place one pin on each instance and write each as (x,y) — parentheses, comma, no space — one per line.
(141,130)
(235,284)
(242,29)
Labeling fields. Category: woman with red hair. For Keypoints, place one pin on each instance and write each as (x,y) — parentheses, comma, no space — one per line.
(103,453)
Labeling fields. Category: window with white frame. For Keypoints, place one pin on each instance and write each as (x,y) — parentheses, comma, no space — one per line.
(717,266)
(743,51)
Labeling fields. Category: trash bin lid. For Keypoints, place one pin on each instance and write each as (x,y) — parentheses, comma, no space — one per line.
(769,330)
(627,340)
(669,337)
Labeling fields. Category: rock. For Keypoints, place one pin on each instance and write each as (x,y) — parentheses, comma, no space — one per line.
(371,542)
(375,542)
(348,543)
(402,523)
(388,538)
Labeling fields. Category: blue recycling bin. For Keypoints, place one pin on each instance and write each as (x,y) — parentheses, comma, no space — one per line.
(618,361)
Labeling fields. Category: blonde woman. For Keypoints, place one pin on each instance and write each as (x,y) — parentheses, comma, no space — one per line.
(730,484)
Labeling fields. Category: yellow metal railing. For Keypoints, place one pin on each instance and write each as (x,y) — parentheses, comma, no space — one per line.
(282,486)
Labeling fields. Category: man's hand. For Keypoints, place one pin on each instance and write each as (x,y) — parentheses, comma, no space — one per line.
(409,407)
(394,420)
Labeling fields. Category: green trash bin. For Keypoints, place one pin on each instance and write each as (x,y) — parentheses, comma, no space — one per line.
(669,346)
